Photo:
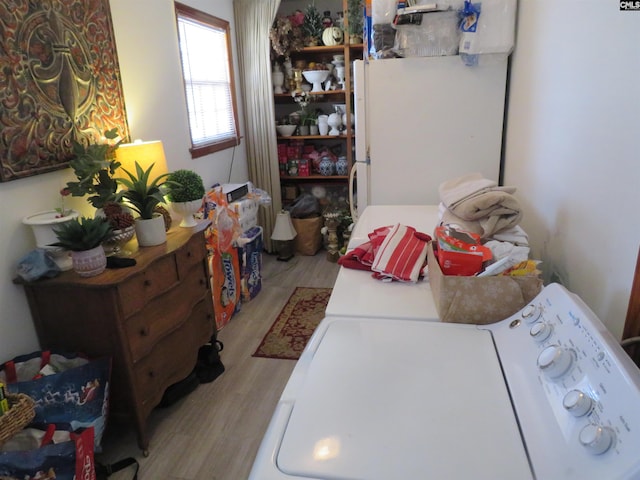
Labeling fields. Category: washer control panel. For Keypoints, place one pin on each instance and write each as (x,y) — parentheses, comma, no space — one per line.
(575,392)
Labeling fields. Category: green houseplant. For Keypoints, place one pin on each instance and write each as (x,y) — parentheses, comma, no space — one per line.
(185,190)
(84,237)
(184,186)
(143,195)
(94,166)
(312,26)
(355,20)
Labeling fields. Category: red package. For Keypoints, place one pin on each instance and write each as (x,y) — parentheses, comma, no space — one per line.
(303,167)
(450,239)
(459,263)
(460,253)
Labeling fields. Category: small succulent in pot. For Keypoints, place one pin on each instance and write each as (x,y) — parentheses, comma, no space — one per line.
(184,186)
(82,234)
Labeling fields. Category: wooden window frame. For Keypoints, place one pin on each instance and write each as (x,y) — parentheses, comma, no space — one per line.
(209,21)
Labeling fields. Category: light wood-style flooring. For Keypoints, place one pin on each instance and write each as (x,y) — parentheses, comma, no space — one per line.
(214,433)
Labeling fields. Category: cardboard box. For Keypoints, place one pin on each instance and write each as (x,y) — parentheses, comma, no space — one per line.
(476,300)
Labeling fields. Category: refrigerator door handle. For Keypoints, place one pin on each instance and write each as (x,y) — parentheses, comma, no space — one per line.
(352,200)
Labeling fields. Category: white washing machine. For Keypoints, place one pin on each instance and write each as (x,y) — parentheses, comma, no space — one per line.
(356,293)
(546,394)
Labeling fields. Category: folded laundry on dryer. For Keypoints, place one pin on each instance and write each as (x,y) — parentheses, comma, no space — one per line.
(479,205)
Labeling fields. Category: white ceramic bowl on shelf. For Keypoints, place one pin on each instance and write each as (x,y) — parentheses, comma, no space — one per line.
(286,130)
(316,77)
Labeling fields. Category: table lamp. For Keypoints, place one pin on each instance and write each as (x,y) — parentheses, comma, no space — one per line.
(283,234)
(145,153)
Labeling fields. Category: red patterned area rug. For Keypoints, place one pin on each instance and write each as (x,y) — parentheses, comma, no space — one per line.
(295,324)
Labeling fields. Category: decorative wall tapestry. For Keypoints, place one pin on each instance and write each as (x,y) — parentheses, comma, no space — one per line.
(60,82)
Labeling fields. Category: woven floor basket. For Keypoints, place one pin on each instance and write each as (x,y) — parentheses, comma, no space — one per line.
(21,412)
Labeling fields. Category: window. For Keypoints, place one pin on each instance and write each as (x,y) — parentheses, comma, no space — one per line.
(207,67)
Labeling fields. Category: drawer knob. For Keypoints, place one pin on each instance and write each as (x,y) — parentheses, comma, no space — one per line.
(147,283)
(189,254)
(144,331)
(151,374)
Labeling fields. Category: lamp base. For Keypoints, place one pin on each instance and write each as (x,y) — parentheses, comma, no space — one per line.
(285,250)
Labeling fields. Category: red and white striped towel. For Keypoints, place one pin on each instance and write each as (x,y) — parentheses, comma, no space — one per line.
(361,257)
(401,255)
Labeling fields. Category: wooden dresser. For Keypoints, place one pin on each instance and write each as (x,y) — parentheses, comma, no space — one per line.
(150,318)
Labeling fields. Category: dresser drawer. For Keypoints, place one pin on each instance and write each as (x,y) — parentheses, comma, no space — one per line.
(136,291)
(194,252)
(165,313)
(173,357)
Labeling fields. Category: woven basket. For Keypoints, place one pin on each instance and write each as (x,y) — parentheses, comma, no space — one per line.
(21,412)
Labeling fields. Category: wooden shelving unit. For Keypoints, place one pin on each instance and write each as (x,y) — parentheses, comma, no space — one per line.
(285,104)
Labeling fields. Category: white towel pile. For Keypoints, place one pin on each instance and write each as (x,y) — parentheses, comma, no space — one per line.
(476,204)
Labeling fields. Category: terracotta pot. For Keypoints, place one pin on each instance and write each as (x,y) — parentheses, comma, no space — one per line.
(151,231)
(89,263)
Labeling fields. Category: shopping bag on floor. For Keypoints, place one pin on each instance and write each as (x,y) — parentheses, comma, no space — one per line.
(67,460)
(69,390)
(309,235)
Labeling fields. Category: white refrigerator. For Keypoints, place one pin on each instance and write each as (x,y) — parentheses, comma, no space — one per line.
(421,121)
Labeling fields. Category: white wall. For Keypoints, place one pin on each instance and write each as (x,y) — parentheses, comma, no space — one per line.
(146,38)
(147,43)
(572,145)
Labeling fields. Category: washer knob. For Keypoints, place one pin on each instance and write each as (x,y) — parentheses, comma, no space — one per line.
(596,438)
(577,403)
(555,361)
(540,331)
(531,313)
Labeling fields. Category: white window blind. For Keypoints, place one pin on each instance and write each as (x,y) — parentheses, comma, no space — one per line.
(208,82)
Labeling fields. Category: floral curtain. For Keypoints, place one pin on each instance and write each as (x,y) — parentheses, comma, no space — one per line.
(253,20)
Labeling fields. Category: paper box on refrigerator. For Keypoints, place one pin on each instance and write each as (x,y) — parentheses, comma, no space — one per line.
(478,300)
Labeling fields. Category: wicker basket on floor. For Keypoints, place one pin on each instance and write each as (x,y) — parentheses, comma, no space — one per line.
(21,412)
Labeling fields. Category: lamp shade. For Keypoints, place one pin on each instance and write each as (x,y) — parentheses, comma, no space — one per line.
(145,153)
(283,230)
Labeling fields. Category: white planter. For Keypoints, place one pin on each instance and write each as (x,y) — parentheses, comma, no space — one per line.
(151,232)
(89,263)
(42,225)
(186,210)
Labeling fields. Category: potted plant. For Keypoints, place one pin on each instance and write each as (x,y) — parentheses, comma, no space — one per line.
(185,189)
(94,166)
(144,195)
(84,237)
(312,26)
(307,116)
(355,20)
